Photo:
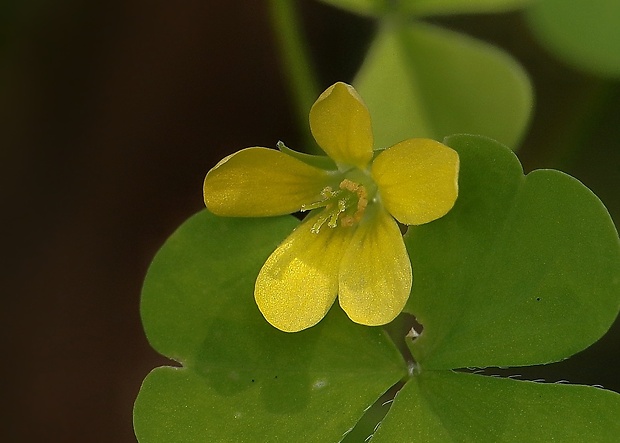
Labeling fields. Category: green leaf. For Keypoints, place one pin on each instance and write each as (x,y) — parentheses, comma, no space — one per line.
(434,7)
(447,407)
(585,33)
(425,81)
(243,380)
(523,270)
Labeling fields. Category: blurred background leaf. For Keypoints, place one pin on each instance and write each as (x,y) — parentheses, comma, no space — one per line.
(426,7)
(425,81)
(584,33)
(432,7)
(363,7)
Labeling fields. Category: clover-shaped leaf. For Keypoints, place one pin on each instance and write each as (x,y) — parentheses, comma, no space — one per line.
(524,269)
(446,407)
(243,380)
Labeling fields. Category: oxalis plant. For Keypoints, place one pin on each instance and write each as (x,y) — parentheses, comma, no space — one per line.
(443,256)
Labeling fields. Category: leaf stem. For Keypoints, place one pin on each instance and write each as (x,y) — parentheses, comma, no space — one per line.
(299,71)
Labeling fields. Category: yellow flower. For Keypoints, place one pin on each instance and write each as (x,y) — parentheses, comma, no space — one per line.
(349,245)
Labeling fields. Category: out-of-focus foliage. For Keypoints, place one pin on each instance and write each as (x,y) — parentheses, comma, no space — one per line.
(426,7)
(425,81)
(584,33)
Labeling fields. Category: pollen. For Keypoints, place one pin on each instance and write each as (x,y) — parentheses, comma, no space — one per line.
(362,202)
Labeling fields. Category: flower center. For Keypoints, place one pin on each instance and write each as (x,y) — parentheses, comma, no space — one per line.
(346,203)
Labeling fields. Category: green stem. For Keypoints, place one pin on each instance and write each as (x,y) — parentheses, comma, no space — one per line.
(299,70)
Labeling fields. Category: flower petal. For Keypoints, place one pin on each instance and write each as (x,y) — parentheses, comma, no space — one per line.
(340,123)
(417,180)
(259,182)
(375,272)
(299,282)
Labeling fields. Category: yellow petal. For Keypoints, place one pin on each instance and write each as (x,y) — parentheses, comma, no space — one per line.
(417,180)
(298,283)
(375,272)
(259,182)
(340,123)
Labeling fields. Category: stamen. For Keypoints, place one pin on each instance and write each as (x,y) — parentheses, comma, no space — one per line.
(333,220)
(310,206)
(316,227)
(326,194)
(337,203)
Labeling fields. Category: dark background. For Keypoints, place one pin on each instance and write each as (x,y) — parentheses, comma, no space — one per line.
(111,113)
